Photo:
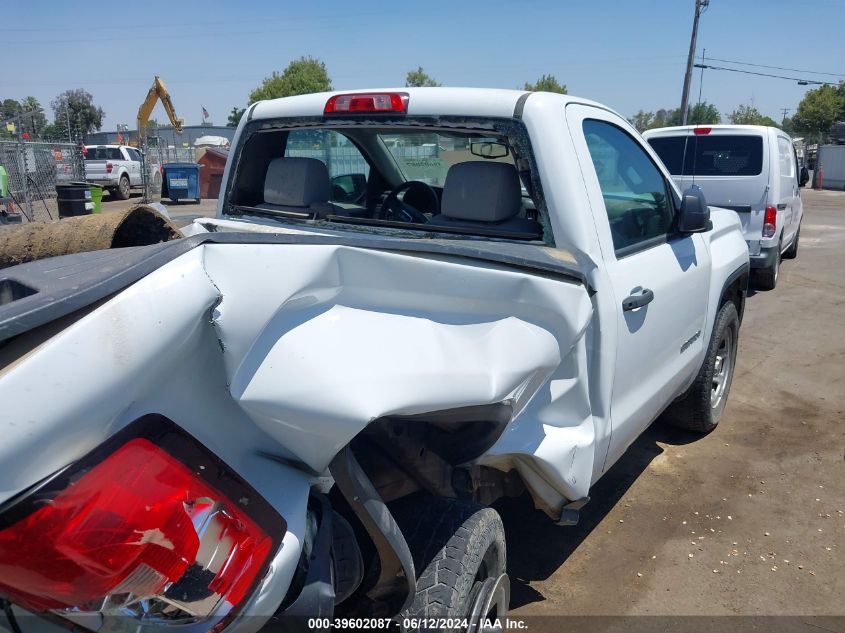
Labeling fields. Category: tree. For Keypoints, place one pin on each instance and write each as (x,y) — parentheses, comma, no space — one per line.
(700,114)
(9,108)
(420,79)
(546,83)
(642,120)
(749,115)
(302,76)
(664,118)
(819,110)
(51,132)
(235,116)
(32,117)
(76,107)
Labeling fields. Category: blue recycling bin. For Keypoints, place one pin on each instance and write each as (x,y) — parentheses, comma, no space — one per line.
(181,181)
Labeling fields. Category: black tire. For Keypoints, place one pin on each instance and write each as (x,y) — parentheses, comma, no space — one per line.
(696,410)
(123,189)
(767,278)
(792,251)
(456,546)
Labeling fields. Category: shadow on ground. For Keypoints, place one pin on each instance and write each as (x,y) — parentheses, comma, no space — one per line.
(537,547)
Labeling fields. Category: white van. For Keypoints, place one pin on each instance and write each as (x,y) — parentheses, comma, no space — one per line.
(750,169)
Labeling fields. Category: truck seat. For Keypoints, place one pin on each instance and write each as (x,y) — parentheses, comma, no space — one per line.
(482,194)
(300,185)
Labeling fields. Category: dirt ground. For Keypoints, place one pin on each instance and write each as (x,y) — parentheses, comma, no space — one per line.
(748,520)
(181,213)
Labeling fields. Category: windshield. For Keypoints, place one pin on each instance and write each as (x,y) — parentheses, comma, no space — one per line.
(401,175)
(428,157)
(713,155)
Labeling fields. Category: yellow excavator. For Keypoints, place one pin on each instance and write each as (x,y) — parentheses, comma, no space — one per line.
(157,91)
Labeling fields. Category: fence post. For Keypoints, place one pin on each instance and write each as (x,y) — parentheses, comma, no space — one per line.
(79,159)
(24,170)
(145,177)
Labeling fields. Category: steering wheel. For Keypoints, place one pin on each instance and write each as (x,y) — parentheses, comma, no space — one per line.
(394,209)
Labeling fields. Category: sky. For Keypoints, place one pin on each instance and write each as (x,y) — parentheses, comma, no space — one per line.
(630,55)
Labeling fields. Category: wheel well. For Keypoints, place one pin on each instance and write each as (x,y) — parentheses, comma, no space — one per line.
(735,291)
(433,452)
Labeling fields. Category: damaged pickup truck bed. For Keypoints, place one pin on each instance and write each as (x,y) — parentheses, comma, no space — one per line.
(410,304)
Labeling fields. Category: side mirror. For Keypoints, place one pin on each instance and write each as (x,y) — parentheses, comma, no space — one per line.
(804,178)
(348,187)
(695,214)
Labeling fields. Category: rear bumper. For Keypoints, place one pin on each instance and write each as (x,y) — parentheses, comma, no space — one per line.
(105,182)
(766,258)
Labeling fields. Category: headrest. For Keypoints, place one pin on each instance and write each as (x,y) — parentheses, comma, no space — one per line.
(296,182)
(482,191)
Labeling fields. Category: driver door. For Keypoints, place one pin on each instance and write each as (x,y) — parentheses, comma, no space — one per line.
(660,278)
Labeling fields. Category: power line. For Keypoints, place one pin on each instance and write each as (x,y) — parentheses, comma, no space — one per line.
(794,70)
(801,81)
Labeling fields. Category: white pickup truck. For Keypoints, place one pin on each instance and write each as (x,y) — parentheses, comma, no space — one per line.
(411,303)
(118,169)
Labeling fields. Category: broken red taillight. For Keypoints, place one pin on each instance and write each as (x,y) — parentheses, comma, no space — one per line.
(139,532)
(369,102)
(109,168)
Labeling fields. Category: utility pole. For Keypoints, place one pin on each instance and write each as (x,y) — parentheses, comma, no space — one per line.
(699,5)
(784,112)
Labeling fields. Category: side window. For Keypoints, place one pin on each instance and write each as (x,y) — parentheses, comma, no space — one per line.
(133,154)
(787,160)
(348,168)
(636,196)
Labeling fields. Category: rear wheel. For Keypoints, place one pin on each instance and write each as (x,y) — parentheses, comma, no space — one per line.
(701,407)
(459,556)
(123,188)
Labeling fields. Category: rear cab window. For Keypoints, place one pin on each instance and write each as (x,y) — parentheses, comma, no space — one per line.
(429,176)
(104,153)
(711,154)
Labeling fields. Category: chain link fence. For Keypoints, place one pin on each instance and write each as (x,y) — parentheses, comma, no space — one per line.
(34,169)
(153,158)
(163,155)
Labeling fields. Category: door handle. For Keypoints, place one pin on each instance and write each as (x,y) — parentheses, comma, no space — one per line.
(637,299)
